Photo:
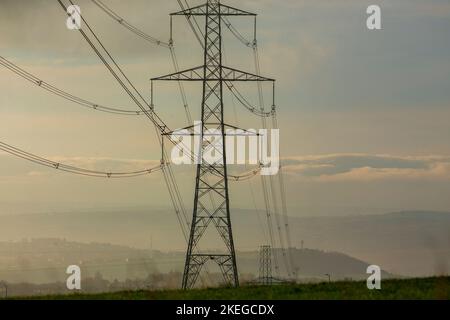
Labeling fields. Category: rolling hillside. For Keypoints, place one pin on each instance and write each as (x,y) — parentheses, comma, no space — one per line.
(45,260)
(406,243)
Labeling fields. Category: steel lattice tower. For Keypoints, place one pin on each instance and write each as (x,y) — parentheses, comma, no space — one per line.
(211,202)
(265,265)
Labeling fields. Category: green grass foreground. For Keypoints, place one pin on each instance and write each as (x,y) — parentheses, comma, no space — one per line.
(405,289)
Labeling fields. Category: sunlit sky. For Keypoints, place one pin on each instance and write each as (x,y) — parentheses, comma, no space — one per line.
(364,115)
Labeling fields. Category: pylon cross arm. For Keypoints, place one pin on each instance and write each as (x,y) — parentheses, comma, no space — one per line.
(231,74)
(201,10)
(197,74)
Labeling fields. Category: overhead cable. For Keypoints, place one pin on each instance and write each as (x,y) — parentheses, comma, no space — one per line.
(72,169)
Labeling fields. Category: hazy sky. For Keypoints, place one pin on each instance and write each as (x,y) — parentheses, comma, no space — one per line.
(364,115)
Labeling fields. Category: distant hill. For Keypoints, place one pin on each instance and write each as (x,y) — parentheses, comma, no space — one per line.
(46,260)
(408,243)
(314,264)
(413,243)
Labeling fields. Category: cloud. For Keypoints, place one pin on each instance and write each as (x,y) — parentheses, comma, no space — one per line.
(366,167)
(319,168)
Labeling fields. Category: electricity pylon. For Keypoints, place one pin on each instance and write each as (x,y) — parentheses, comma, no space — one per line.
(265,265)
(211,201)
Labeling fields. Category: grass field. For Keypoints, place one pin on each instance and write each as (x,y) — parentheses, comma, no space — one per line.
(423,288)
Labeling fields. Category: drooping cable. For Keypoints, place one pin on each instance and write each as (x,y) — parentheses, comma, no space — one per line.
(110,12)
(128,25)
(287,254)
(72,169)
(284,209)
(180,84)
(130,89)
(272,113)
(250,108)
(123,80)
(245,103)
(250,185)
(239,97)
(236,33)
(194,26)
(118,74)
(63,94)
(169,177)
(270,188)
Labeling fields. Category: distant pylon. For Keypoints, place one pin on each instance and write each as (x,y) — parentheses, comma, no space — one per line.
(265,265)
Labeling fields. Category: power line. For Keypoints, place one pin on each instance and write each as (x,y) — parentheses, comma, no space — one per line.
(237,34)
(128,25)
(238,96)
(168,174)
(284,209)
(119,75)
(63,94)
(234,91)
(111,13)
(132,92)
(246,104)
(267,187)
(159,124)
(254,110)
(250,186)
(254,45)
(260,112)
(169,178)
(180,84)
(289,261)
(123,80)
(38,160)
(242,177)
(189,21)
(72,169)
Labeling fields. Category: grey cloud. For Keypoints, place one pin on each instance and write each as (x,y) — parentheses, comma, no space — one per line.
(329,165)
